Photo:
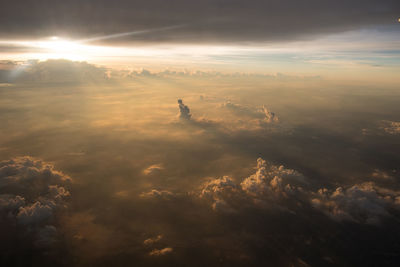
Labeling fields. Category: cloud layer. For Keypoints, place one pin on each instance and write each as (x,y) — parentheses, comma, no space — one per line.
(211,20)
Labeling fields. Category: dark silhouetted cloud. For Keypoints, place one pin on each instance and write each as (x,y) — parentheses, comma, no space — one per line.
(184,111)
(31,191)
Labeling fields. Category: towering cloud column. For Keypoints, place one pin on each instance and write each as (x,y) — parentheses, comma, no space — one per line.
(270,116)
(184,111)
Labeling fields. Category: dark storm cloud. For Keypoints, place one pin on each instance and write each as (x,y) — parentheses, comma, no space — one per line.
(210,20)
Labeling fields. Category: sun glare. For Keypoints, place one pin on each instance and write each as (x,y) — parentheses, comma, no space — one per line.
(60,48)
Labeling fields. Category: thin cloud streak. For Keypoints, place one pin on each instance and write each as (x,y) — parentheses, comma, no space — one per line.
(133,33)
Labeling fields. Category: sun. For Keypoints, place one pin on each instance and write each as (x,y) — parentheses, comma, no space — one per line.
(57,48)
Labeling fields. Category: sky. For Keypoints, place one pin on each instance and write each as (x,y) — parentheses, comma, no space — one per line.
(199,133)
(260,36)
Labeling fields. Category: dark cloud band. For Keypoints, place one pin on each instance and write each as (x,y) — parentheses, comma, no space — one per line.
(207,21)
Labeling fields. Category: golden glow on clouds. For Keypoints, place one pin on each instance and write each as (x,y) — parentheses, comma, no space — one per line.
(60,48)
(351,50)
(57,47)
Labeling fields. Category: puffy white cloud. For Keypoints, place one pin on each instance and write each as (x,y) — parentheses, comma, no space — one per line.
(184,111)
(277,185)
(362,203)
(218,191)
(28,176)
(219,188)
(161,252)
(31,191)
(270,180)
(155,168)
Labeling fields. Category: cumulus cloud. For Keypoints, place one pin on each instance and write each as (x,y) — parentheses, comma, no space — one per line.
(29,175)
(269,115)
(184,111)
(34,213)
(268,183)
(31,190)
(58,192)
(155,168)
(272,184)
(151,241)
(379,174)
(54,71)
(205,74)
(11,202)
(362,203)
(161,252)
(270,180)
(392,127)
(219,187)
(218,190)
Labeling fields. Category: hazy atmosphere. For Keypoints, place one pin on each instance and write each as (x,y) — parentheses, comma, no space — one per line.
(211,133)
